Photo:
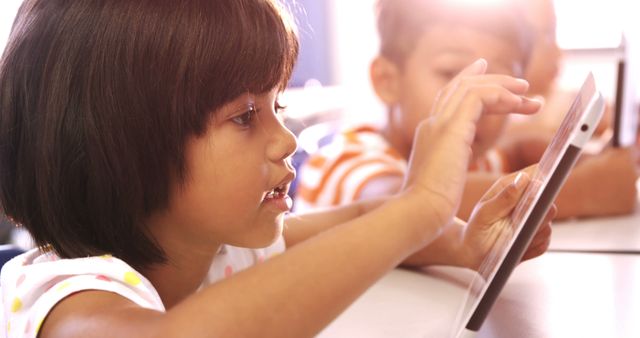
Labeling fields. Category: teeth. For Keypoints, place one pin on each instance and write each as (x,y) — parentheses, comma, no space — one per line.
(275,193)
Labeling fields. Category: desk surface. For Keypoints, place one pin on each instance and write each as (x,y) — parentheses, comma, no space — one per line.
(556,295)
(610,234)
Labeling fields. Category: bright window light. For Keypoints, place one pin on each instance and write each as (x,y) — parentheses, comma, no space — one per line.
(590,24)
(8,10)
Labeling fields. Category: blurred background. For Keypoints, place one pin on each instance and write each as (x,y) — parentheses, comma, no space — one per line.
(338,41)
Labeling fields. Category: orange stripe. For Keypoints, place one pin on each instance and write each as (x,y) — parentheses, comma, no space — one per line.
(316,161)
(311,195)
(355,166)
(352,137)
(393,153)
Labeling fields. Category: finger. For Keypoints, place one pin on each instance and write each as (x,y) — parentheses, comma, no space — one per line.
(489,99)
(530,170)
(551,214)
(528,106)
(465,80)
(542,239)
(476,68)
(540,243)
(502,184)
(475,73)
(538,250)
(468,100)
(501,205)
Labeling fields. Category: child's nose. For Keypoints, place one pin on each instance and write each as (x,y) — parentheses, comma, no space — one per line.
(283,144)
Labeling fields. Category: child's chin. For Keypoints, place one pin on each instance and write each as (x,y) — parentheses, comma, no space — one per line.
(267,238)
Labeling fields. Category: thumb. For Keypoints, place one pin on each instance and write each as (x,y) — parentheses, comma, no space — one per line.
(502,203)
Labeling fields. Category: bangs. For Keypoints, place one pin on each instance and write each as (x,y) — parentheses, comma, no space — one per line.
(257,54)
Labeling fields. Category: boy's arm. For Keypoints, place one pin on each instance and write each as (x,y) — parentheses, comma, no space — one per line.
(601,185)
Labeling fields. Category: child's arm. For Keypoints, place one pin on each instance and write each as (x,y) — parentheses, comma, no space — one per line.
(299,292)
(601,185)
(300,227)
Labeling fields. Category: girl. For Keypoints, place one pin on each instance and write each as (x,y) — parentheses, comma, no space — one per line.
(142,147)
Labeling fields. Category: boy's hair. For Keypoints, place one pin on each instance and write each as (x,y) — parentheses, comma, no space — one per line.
(401,23)
(98,99)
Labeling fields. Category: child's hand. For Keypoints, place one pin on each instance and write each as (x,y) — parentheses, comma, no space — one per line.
(489,222)
(442,143)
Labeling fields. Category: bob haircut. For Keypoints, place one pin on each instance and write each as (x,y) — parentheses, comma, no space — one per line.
(98,99)
(401,23)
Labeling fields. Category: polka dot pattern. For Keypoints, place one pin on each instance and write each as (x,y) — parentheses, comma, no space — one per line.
(131,278)
(228,271)
(16,305)
(34,288)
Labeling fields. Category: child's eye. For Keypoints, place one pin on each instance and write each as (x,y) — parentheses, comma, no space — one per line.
(245,119)
(279,108)
(447,74)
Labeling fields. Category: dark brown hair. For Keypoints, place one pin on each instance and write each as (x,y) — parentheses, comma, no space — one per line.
(401,23)
(97,100)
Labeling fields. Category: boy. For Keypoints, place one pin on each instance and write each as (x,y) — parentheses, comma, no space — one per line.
(424,44)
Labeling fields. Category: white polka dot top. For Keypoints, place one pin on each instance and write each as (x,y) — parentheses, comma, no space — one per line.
(33,283)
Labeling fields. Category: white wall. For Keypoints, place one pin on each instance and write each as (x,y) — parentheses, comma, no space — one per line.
(356,43)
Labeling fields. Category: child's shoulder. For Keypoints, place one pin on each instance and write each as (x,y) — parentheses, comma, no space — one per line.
(356,140)
(337,172)
(34,282)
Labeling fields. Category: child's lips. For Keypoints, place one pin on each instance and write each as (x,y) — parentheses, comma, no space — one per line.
(278,199)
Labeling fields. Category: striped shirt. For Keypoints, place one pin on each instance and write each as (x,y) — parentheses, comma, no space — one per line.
(338,172)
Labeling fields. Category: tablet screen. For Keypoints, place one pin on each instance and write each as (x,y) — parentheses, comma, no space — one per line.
(518,229)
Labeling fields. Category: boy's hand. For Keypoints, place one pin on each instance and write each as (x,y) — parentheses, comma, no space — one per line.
(442,143)
(489,223)
(601,185)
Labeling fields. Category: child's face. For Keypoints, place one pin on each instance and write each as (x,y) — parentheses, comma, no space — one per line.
(232,172)
(544,64)
(439,55)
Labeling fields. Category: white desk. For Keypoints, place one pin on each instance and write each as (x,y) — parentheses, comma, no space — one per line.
(610,234)
(560,295)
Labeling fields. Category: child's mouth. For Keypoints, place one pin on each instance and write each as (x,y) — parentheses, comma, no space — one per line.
(278,197)
(278,192)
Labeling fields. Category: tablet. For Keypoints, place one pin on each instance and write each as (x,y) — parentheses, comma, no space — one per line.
(518,229)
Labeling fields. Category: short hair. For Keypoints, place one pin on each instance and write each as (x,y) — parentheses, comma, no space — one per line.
(401,23)
(98,99)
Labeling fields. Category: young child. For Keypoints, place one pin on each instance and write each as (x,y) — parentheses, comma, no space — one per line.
(142,147)
(423,44)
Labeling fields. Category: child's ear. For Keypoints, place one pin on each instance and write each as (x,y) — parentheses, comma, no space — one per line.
(385,78)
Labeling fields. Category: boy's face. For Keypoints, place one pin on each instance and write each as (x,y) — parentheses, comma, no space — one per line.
(441,53)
